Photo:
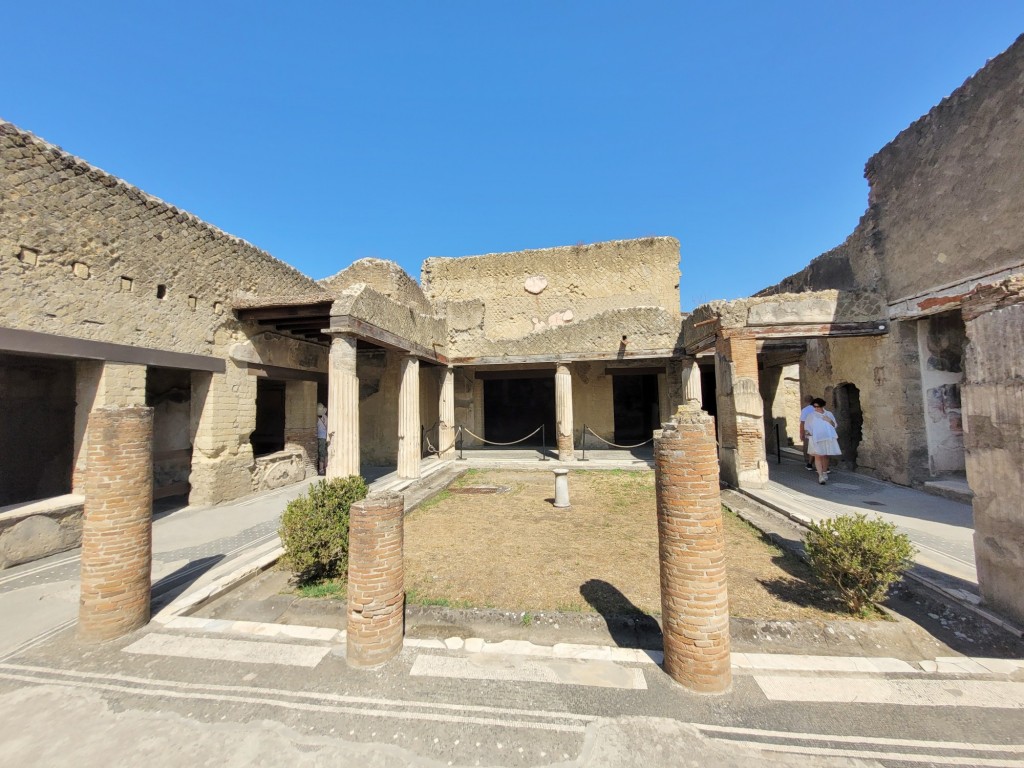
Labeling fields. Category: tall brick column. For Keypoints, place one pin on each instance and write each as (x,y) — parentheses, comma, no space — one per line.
(740,413)
(409,448)
(691,548)
(446,413)
(376,580)
(117,526)
(563,412)
(342,409)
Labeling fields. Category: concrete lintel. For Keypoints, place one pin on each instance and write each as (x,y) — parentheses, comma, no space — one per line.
(641,356)
(48,345)
(342,325)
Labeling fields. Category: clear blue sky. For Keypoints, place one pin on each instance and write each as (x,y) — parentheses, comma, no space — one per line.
(323,132)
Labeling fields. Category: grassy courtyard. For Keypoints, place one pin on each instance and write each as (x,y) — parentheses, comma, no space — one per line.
(511,549)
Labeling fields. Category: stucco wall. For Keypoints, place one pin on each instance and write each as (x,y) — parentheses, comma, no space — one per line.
(502,296)
(83,254)
(947,190)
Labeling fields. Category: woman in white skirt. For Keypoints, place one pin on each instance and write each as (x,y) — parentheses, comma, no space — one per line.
(822,438)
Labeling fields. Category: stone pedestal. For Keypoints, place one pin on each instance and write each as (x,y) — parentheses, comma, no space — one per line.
(376,581)
(342,409)
(691,548)
(117,528)
(561,487)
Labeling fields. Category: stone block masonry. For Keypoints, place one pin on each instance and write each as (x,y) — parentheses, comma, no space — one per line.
(117,526)
(376,580)
(691,550)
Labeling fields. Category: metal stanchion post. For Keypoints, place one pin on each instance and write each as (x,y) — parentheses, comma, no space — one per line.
(460,439)
(543,443)
(583,439)
(778,445)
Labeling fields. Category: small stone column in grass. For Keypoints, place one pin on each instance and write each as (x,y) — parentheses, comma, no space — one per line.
(694,600)
(376,580)
(117,525)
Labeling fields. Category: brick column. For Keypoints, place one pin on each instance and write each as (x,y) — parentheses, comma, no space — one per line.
(691,548)
(563,413)
(376,580)
(740,413)
(117,526)
(409,449)
(342,409)
(446,414)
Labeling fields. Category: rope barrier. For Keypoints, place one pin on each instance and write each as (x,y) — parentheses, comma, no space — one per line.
(490,442)
(615,445)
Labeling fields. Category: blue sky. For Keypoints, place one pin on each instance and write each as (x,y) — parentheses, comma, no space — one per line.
(323,132)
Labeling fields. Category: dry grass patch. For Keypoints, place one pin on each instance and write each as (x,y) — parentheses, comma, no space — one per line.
(514,550)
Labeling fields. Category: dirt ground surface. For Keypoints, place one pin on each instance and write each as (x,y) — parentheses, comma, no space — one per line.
(495,540)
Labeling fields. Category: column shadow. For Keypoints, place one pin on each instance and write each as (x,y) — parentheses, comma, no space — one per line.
(629,626)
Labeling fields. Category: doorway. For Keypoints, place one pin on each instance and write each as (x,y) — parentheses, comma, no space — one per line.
(637,411)
(515,407)
(849,422)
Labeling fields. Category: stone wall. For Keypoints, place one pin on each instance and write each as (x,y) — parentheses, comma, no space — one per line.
(385,277)
(993,404)
(502,296)
(86,255)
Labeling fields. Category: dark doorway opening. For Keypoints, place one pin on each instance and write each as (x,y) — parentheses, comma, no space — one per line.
(169,394)
(849,422)
(268,437)
(513,408)
(37,428)
(637,411)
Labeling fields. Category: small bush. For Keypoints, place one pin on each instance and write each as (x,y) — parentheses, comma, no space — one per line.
(314,529)
(858,558)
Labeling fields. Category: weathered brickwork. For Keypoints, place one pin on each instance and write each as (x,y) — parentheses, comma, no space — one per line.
(376,580)
(117,524)
(993,403)
(691,549)
(84,254)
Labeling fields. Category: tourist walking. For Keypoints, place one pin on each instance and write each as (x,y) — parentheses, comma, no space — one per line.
(822,438)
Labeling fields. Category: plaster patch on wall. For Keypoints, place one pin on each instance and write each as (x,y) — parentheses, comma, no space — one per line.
(535,284)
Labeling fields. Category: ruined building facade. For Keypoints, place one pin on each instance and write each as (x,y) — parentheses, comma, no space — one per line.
(912,329)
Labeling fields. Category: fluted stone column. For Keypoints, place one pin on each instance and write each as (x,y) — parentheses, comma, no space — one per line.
(691,549)
(740,413)
(342,409)
(376,580)
(117,525)
(563,413)
(446,414)
(692,391)
(409,419)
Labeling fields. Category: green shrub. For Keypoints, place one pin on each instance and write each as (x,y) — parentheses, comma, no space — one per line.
(314,529)
(857,557)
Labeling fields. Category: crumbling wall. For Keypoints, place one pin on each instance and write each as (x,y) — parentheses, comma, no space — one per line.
(946,191)
(385,277)
(86,255)
(993,404)
(503,296)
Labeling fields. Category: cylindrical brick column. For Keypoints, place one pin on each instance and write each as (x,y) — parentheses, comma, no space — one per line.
(376,580)
(342,409)
(446,414)
(691,548)
(409,448)
(117,525)
(563,413)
